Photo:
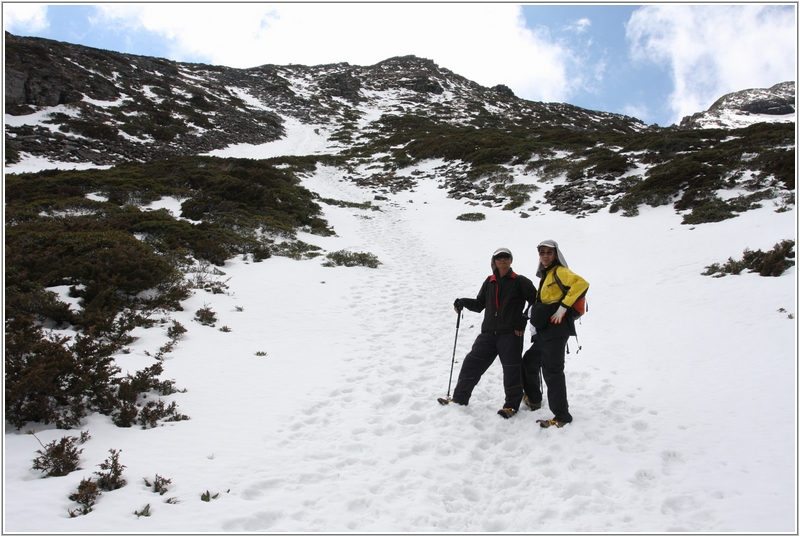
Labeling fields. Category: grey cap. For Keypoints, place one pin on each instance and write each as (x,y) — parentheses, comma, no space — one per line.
(559,255)
(498,252)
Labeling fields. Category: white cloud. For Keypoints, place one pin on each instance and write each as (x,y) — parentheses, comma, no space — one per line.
(487,43)
(713,50)
(579,26)
(23,18)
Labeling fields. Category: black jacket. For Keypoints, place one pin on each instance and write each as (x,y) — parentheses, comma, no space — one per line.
(503,300)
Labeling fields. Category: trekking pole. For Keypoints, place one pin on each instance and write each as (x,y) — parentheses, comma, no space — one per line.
(452,363)
(541,382)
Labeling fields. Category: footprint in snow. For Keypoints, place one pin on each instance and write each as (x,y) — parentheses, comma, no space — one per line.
(671,459)
(644,479)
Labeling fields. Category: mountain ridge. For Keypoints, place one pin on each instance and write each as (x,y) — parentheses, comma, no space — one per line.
(77,106)
(37,76)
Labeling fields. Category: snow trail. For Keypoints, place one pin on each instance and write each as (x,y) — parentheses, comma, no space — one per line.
(386,455)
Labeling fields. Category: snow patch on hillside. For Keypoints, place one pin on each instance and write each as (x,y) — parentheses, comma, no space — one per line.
(300,139)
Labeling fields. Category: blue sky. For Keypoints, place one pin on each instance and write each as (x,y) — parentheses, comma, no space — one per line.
(657,62)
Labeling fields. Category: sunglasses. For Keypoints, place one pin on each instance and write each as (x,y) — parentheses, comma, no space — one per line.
(547,252)
(502,256)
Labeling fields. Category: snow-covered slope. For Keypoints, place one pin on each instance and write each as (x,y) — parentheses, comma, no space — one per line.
(317,411)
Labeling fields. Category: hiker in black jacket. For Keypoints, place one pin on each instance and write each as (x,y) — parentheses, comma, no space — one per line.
(502,298)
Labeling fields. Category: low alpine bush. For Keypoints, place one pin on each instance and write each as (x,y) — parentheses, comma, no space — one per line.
(144,512)
(205,316)
(471,217)
(111,478)
(86,495)
(52,379)
(159,484)
(772,263)
(154,411)
(351,259)
(59,458)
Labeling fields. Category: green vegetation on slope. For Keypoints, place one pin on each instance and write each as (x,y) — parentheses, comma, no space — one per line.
(123,264)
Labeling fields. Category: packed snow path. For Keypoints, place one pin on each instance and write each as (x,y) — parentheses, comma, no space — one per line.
(317,412)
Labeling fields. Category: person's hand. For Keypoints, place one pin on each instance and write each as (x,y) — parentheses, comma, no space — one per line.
(558,316)
(457,305)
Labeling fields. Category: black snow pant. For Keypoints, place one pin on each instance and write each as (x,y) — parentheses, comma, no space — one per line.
(549,357)
(486,348)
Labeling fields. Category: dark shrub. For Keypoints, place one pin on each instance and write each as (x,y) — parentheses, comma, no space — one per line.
(59,458)
(351,259)
(86,495)
(471,217)
(111,478)
(50,380)
(772,263)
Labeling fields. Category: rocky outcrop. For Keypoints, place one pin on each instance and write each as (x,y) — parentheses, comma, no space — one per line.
(503,90)
(777,100)
(107,108)
(774,106)
(423,84)
(343,85)
(733,110)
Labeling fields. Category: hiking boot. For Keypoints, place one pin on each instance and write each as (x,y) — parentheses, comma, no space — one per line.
(447,401)
(549,423)
(532,406)
(506,412)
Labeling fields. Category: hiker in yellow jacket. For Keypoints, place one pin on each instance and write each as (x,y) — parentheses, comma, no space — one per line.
(552,324)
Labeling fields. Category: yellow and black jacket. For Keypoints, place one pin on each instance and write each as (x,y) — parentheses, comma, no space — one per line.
(551,295)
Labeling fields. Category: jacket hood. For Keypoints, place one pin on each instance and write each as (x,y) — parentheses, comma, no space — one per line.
(540,272)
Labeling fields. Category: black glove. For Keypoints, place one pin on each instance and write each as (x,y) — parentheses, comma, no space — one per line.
(458,305)
(521,323)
